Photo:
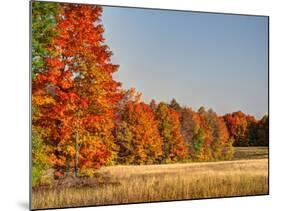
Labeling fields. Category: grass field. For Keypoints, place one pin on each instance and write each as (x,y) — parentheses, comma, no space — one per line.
(167,182)
(250,153)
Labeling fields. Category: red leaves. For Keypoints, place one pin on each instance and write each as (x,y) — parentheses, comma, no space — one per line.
(83,95)
(238,127)
(41,78)
(84,102)
(54,63)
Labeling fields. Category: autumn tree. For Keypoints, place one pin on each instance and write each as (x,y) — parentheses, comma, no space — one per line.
(222,144)
(175,105)
(217,144)
(238,125)
(258,134)
(207,126)
(192,133)
(138,137)
(252,129)
(153,105)
(174,147)
(43,31)
(76,94)
(122,135)
(263,131)
(212,125)
(246,130)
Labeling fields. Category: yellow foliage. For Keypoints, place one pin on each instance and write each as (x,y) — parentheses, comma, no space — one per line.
(42,100)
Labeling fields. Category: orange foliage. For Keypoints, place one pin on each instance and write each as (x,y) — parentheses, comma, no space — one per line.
(174,147)
(139,138)
(238,127)
(76,94)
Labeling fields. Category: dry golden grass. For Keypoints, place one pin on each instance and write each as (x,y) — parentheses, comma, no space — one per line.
(164,182)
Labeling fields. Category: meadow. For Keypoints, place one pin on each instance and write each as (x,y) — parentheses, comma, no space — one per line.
(246,174)
(250,153)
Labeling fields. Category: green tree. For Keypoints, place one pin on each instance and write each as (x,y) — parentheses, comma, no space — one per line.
(44,16)
(218,144)
(43,31)
(192,133)
(40,162)
(198,144)
(206,123)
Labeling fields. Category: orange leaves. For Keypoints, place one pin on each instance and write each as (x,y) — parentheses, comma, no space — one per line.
(206,134)
(66,80)
(84,102)
(54,63)
(81,32)
(237,124)
(138,136)
(93,154)
(76,94)
(43,100)
(244,129)
(174,147)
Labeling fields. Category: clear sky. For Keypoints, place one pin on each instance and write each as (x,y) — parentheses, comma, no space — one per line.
(213,60)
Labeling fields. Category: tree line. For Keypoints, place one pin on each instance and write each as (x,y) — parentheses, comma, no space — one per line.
(82,119)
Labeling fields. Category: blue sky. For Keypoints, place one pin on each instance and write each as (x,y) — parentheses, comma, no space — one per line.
(200,59)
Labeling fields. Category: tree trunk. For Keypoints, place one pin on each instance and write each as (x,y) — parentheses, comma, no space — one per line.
(76,155)
(77,148)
